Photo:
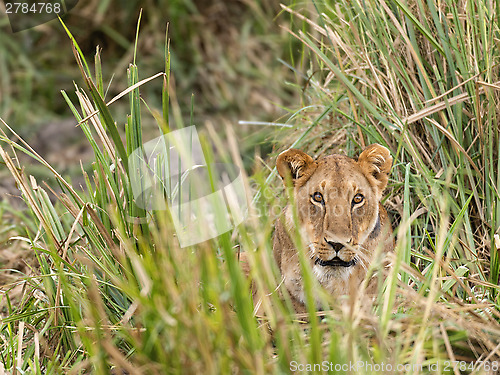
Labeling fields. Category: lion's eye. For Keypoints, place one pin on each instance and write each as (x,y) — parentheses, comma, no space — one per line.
(317,197)
(358,198)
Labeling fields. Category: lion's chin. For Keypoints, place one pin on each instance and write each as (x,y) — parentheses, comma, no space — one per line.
(324,274)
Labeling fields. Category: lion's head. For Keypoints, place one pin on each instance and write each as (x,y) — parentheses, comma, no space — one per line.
(338,206)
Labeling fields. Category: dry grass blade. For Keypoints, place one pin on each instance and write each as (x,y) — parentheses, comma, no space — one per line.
(38,158)
(94,119)
(474,77)
(426,112)
(448,348)
(121,95)
(20,336)
(23,185)
(495,85)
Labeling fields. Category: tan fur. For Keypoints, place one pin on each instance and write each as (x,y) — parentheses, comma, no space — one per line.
(334,226)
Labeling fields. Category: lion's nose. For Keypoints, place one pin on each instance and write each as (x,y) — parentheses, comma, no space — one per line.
(336,246)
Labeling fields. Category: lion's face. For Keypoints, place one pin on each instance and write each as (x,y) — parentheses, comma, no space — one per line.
(337,200)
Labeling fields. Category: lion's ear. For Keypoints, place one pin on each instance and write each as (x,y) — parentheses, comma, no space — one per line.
(376,162)
(296,164)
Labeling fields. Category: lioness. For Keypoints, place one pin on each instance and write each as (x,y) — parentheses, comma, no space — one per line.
(340,215)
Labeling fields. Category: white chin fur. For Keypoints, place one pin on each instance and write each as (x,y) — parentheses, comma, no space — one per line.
(323,274)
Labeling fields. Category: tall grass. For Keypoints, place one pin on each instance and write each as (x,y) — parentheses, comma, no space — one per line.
(420,83)
(116,293)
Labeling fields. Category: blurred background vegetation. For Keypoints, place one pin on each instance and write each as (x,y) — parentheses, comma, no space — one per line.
(228,58)
(226,54)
